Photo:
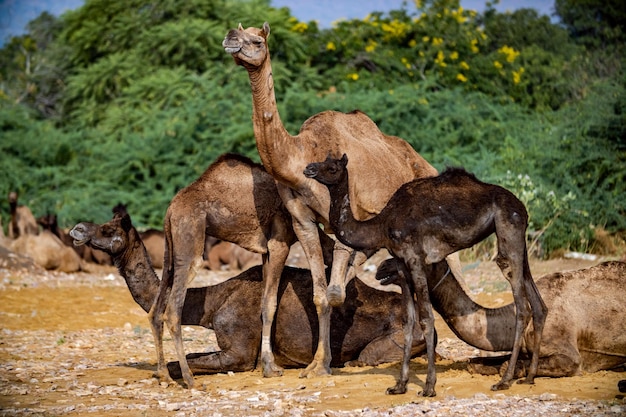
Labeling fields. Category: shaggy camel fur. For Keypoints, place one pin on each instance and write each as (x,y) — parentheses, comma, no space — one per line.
(22,220)
(233,200)
(382,164)
(580,333)
(423,222)
(366,330)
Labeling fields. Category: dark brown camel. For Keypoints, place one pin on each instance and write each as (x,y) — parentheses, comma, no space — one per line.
(366,330)
(22,220)
(50,222)
(580,332)
(234,200)
(425,221)
(153,239)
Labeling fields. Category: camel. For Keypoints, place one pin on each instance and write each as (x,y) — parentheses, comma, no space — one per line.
(580,332)
(237,201)
(423,222)
(153,239)
(50,222)
(384,163)
(47,251)
(232,256)
(22,220)
(366,330)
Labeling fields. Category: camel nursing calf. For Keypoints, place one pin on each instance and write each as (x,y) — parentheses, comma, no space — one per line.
(423,222)
(366,330)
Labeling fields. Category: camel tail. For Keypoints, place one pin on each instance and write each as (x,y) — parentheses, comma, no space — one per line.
(168,253)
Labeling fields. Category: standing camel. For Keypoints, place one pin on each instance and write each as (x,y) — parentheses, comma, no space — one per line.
(384,164)
(423,222)
(233,200)
(366,329)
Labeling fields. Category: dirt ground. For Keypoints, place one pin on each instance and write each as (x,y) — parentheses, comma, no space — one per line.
(78,344)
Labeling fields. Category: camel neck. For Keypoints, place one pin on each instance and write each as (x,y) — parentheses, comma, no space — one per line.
(272,138)
(491,329)
(358,235)
(135,266)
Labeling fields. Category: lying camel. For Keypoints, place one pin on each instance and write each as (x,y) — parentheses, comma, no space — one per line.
(366,330)
(580,333)
(47,251)
(426,220)
(232,256)
(22,220)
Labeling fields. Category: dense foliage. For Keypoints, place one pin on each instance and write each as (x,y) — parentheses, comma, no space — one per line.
(130,100)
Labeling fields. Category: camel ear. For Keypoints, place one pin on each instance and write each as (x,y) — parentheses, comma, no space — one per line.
(126,223)
(239,27)
(344,159)
(266,29)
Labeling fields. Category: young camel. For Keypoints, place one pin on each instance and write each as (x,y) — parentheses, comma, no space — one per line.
(384,163)
(233,200)
(423,222)
(366,330)
(580,333)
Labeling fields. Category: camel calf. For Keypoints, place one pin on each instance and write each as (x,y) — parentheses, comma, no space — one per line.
(426,220)
(366,330)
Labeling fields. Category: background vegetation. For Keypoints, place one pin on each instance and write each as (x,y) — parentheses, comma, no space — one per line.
(130,100)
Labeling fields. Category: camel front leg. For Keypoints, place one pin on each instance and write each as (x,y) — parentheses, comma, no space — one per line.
(539,313)
(155,317)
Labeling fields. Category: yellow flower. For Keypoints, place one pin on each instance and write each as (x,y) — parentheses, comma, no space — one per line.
(509,52)
(300,27)
(517,76)
(330,46)
(464,65)
(412,43)
(354,76)
(437,41)
(497,64)
(454,55)
(371,46)
(461,78)
(440,59)
(425,39)
(473,46)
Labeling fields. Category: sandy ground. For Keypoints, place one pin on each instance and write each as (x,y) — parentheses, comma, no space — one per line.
(78,344)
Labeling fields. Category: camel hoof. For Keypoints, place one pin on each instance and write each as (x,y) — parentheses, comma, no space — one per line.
(428,393)
(398,389)
(272,371)
(315,370)
(501,386)
(336,295)
(529,381)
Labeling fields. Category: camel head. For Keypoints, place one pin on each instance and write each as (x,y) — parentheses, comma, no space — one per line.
(248,46)
(329,172)
(111,237)
(13,197)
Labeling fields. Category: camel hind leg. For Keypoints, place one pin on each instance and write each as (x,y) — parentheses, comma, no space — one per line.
(183,276)
(273,265)
(539,312)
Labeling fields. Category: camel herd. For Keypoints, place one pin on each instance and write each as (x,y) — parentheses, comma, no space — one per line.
(325,316)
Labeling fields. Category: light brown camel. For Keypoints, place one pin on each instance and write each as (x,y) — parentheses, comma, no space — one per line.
(366,330)
(47,251)
(423,222)
(234,200)
(232,256)
(384,163)
(581,333)
(22,220)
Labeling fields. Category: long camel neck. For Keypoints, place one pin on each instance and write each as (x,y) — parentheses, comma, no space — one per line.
(491,329)
(135,266)
(272,139)
(357,234)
